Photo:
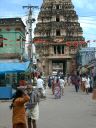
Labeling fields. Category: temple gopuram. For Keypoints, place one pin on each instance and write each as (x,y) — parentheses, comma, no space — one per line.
(58,36)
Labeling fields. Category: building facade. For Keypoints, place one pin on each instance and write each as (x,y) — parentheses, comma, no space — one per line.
(12,38)
(56,30)
(12,49)
(86,55)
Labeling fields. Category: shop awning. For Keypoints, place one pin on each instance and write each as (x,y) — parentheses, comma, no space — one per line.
(13,67)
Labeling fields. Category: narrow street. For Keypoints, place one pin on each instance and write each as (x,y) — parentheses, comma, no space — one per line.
(73,110)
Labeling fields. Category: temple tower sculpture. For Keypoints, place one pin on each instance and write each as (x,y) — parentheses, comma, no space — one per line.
(57,36)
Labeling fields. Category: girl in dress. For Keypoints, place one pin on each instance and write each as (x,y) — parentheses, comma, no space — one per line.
(18,109)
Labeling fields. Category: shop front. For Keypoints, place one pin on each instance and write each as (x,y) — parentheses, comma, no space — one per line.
(10,75)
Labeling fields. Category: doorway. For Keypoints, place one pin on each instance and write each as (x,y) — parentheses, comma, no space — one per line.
(59,66)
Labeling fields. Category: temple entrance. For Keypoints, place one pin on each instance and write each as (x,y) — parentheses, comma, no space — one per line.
(59,66)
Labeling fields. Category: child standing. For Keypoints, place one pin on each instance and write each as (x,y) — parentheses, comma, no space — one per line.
(19,113)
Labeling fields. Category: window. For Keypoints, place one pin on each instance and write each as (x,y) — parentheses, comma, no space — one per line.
(54,49)
(57,32)
(48,33)
(58,49)
(57,19)
(1,41)
(57,6)
(62,49)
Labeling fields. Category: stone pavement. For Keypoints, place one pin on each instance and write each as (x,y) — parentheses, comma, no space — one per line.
(73,110)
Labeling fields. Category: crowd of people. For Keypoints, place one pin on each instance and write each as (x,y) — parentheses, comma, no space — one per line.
(25,103)
(82,82)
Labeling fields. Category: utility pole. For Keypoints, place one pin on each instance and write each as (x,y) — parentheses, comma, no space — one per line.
(29,22)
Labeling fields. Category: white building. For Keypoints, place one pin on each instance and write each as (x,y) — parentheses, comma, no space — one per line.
(86,55)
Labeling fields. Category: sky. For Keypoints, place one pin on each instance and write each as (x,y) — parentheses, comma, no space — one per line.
(85,9)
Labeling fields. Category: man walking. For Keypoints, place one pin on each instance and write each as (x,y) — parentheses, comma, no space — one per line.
(76,81)
(40,86)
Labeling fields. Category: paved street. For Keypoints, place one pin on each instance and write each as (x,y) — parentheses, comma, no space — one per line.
(73,110)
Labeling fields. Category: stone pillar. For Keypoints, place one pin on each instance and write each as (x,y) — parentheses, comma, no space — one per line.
(56,50)
(51,50)
(50,67)
(45,67)
(68,66)
(72,65)
(61,50)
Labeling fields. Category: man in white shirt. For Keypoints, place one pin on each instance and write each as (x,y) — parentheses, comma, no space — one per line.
(40,86)
(40,82)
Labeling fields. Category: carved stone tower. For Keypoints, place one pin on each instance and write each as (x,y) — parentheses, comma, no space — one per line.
(57,26)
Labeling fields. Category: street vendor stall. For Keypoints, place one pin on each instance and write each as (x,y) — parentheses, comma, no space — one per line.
(9,77)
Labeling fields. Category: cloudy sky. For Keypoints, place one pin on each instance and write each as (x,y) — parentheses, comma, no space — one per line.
(86,10)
